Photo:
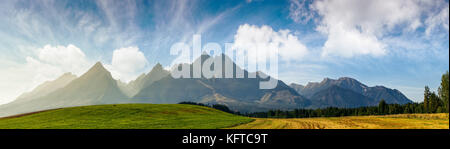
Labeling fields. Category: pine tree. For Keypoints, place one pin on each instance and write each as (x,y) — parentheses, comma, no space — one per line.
(382,107)
(426,99)
(443,91)
(434,102)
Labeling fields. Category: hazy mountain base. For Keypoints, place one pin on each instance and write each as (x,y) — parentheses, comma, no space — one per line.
(244,96)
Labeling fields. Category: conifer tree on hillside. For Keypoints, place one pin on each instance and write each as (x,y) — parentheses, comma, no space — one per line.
(434,103)
(426,99)
(382,107)
(443,92)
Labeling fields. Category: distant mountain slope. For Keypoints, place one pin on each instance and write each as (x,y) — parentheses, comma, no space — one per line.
(389,95)
(297,87)
(377,93)
(335,96)
(241,94)
(47,87)
(96,86)
(124,88)
(144,80)
(344,82)
(170,90)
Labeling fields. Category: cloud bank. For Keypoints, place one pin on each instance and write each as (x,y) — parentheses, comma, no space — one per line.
(127,63)
(356,27)
(264,40)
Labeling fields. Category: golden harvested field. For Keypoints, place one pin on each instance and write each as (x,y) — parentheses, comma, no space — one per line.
(401,121)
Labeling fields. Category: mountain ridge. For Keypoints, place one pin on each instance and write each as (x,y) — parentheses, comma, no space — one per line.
(48,86)
(336,96)
(232,92)
(376,92)
(97,86)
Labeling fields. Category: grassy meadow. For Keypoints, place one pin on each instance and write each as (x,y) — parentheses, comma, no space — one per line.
(183,116)
(400,121)
(126,116)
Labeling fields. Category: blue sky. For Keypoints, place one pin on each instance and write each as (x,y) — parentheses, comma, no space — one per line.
(397,44)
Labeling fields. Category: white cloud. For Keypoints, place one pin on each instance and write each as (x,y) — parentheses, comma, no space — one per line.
(350,42)
(127,63)
(263,40)
(356,27)
(370,16)
(69,58)
(53,61)
(49,63)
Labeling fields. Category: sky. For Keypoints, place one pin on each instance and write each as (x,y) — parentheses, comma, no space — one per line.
(401,44)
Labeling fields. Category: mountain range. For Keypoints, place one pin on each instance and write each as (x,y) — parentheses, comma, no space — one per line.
(349,89)
(97,86)
(240,94)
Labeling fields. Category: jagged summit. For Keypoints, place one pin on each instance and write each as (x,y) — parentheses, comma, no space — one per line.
(376,93)
(98,65)
(158,67)
(97,69)
(346,78)
(157,73)
(341,80)
(326,80)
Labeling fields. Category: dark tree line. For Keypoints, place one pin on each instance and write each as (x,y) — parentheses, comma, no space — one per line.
(215,106)
(433,103)
(382,109)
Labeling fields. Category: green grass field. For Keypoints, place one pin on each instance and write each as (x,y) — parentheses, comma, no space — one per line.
(126,116)
(182,116)
(400,121)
